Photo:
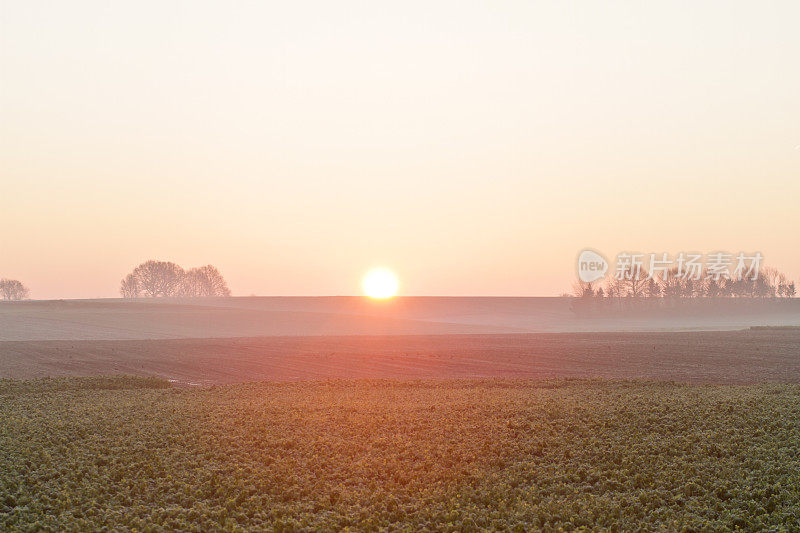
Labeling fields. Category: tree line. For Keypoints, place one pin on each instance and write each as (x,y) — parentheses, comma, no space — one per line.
(160,279)
(12,289)
(638,283)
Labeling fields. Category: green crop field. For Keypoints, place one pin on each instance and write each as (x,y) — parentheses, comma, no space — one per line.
(136,454)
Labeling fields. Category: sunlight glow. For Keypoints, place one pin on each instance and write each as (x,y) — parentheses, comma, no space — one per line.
(380,283)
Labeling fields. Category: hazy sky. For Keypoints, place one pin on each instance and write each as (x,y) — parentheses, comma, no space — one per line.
(472,147)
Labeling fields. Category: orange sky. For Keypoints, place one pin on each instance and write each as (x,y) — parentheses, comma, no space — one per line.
(473,148)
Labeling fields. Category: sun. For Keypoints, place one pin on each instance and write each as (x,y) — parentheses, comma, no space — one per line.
(380,283)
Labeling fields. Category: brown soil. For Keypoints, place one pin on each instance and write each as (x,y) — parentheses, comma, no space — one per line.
(750,356)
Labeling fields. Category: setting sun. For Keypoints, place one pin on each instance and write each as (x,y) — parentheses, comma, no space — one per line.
(380,283)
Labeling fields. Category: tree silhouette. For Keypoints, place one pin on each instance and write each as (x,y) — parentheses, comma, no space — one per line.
(129,287)
(166,279)
(12,289)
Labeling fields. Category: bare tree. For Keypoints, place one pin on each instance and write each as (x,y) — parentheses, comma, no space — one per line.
(193,284)
(613,288)
(631,282)
(218,284)
(782,286)
(158,278)
(671,284)
(11,289)
(712,288)
(582,289)
(691,287)
(129,286)
(741,286)
(769,283)
(763,288)
(770,280)
(725,287)
(164,279)
(203,281)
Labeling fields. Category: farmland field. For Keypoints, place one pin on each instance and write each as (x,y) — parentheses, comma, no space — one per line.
(750,356)
(132,453)
(112,418)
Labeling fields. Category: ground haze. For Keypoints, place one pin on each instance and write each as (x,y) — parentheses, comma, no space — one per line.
(346,315)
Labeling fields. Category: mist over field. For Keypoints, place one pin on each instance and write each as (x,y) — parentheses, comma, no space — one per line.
(230,340)
(258,316)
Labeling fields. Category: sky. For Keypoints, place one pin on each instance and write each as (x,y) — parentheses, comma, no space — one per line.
(474,148)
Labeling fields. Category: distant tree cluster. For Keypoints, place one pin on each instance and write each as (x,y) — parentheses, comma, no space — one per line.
(154,279)
(638,283)
(637,289)
(11,289)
